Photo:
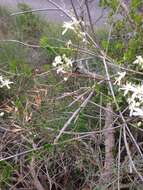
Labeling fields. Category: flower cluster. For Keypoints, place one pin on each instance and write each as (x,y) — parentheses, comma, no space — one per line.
(63,64)
(139,61)
(133,92)
(119,78)
(135,99)
(5,82)
(71,25)
(74,25)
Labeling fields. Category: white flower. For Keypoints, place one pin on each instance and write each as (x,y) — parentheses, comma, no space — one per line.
(121,76)
(126,88)
(67,26)
(65,78)
(4,82)
(57,61)
(69,63)
(138,112)
(135,99)
(60,70)
(139,124)
(139,61)
(67,60)
(63,65)
(83,36)
(1,114)
(71,25)
(54,64)
(64,56)
(134,92)
(137,89)
(1,79)
(7,83)
(132,107)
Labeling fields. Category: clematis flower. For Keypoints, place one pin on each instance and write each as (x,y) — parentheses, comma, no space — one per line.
(121,76)
(4,82)
(67,26)
(57,61)
(138,112)
(60,70)
(65,78)
(1,114)
(63,65)
(67,60)
(139,61)
(135,99)
(128,87)
(71,25)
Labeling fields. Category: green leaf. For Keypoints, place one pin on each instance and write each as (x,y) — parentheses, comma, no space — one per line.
(5,171)
(43,42)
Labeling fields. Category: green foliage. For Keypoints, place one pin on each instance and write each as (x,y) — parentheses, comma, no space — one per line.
(5,172)
(107,3)
(19,67)
(28,25)
(134,4)
(48,147)
(126,38)
(43,41)
(52,50)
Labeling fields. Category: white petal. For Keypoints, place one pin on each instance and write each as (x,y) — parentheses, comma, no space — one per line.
(65,78)
(1,114)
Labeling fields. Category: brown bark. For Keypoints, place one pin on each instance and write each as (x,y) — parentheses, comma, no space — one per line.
(107,173)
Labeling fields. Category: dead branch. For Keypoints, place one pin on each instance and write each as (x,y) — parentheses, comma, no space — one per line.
(106,176)
(37,183)
(82,106)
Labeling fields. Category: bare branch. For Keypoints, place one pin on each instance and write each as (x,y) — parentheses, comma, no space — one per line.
(73,116)
(90,19)
(37,183)
(107,173)
(35,10)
